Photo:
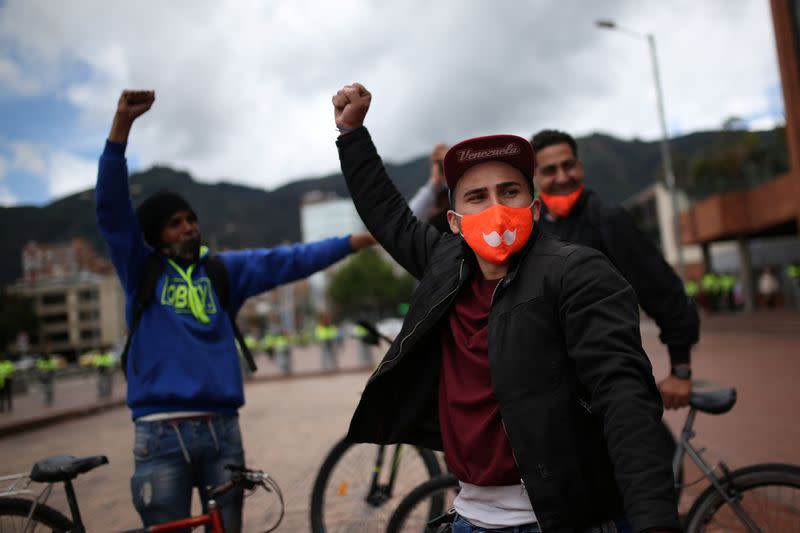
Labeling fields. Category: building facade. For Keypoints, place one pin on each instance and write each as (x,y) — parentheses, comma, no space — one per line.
(77,298)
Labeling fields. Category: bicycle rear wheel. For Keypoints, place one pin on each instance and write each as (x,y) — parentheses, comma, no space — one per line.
(15,513)
(423,504)
(345,498)
(767,494)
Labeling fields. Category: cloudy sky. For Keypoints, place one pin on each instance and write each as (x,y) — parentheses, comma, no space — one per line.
(243,88)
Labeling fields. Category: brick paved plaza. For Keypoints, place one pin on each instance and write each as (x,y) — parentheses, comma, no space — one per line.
(289,425)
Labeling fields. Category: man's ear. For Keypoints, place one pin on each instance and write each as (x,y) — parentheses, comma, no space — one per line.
(536,209)
(454,221)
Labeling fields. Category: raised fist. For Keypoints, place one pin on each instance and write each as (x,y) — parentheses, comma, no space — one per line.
(132,104)
(350,106)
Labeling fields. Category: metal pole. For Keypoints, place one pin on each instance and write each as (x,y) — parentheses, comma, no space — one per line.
(666,158)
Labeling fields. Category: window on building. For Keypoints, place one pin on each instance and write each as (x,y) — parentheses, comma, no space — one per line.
(58,318)
(58,337)
(54,298)
(85,316)
(89,295)
(90,334)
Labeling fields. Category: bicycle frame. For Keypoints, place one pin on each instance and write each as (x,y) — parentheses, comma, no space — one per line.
(380,493)
(720,484)
(212,518)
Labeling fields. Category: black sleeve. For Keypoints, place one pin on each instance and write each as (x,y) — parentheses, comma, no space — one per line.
(382,208)
(600,317)
(659,290)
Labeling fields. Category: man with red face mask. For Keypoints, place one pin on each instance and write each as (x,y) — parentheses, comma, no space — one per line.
(519,356)
(575,214)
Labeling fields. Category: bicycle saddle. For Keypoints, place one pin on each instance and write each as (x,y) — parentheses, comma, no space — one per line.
(714,402)
(64,467)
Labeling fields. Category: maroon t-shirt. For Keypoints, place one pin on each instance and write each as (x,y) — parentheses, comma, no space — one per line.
(475,444)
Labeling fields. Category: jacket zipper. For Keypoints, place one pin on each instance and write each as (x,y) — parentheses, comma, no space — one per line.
(585,404)
(400,348)
(522,481)
(503,423)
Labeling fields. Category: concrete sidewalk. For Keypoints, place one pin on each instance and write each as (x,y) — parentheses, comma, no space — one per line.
(76,396)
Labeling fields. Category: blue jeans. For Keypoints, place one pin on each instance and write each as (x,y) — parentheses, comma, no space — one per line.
(461,525)
(173,456)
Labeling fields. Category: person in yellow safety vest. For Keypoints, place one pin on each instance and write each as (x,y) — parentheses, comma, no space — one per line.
(793,271)
(7,369)
(46,366)
(283,351)
(692,288)
(268,344)
(326,333)
(361,333)
(103,363)
(251,342)
(726,283)
(710,287)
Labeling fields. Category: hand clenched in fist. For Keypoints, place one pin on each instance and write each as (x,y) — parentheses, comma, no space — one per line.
(350,106)
(130,106)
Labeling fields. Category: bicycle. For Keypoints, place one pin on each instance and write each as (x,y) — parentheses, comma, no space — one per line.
(26,514)
(751,499)
(355,489)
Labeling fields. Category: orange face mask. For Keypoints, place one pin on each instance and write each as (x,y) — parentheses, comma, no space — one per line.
(561,204)
(497,232)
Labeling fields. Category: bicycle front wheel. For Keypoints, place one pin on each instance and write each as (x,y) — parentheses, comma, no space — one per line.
(17,514)
(353,493)
(423,504)
(765,498)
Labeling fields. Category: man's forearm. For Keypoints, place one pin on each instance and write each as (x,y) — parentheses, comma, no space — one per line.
(120,129)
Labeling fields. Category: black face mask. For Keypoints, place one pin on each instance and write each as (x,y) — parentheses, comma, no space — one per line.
(186,252)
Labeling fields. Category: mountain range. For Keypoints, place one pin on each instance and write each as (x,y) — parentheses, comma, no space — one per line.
(240,216)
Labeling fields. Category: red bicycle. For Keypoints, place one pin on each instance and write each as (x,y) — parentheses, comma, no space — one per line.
(32,514)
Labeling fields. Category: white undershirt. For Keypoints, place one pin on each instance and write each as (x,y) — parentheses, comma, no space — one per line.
(494,507)
(169,416)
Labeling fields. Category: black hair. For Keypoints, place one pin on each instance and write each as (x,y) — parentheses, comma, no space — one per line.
(546,138)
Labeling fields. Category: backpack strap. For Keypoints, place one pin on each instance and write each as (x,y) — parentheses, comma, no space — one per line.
(153,267)
(218,275)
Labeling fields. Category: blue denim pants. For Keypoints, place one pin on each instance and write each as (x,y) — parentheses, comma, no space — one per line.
(460,525)
(173,456)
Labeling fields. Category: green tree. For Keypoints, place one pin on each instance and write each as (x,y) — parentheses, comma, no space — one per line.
(367,286)
(16,314)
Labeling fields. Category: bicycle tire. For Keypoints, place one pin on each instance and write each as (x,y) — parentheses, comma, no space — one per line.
(338,499)
(770,513)
(410,517)
(47,517)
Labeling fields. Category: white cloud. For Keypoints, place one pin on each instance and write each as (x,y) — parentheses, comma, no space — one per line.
(243,89)
(3,167)
(13,79)
(68,174)
(28,157)
(7,199)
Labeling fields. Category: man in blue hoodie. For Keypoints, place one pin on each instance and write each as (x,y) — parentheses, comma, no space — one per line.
(184,380)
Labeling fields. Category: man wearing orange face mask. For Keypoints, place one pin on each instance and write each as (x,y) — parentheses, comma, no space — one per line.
(577,215)
(519,356)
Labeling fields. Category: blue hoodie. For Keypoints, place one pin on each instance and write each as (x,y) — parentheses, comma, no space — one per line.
(175,362)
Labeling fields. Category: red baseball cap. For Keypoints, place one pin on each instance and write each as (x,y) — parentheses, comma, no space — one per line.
(510,149)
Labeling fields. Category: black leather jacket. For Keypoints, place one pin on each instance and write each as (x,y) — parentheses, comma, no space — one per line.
(659,290)
(574,386)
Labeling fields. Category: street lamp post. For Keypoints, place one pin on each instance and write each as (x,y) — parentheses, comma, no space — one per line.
(666,157)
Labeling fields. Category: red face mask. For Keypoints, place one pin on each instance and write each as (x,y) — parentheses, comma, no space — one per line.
(497,232)
(561,204)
